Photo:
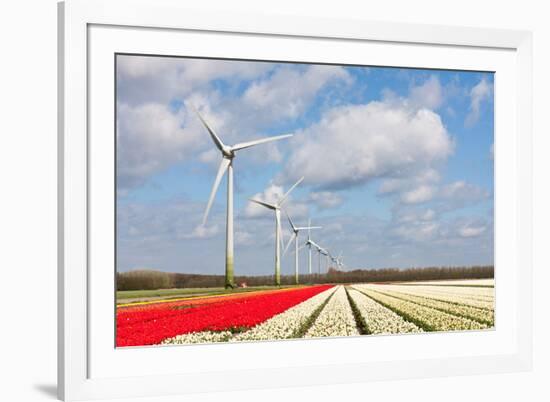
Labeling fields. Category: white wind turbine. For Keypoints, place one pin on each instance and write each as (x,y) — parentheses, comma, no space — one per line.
(276,207)
(326,253)
(319,252)
(226,165)
(295,232)
(310,243)
(338,261)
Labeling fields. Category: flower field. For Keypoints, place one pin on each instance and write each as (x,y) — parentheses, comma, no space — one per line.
(309,312)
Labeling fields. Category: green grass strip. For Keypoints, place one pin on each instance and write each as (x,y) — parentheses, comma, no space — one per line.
(421,324)
(362,326)
(300,332)
(443,310)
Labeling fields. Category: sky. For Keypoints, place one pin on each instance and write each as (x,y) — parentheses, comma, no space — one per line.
(397,163)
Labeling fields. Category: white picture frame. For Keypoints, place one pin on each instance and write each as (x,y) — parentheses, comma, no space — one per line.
(89,367)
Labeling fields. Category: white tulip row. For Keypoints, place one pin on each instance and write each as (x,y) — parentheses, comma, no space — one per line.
(423,316)
(287,324)
(460,282)
(476,314)
(379,319)
(336,319)
(479,293)
(199,337)
(433,292)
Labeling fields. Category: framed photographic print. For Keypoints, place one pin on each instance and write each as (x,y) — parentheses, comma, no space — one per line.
(262,201)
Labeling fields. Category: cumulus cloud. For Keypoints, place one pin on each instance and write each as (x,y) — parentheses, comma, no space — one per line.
(149,138)
(480,93)
(419,194)
(288,91)
(429,94)
(353,144)
(161,79)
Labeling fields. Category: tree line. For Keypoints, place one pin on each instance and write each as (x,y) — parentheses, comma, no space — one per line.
(151,279)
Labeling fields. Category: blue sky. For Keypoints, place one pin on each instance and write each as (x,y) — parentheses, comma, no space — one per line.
(397,162)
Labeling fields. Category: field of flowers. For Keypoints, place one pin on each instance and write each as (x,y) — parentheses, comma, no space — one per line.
(309,312)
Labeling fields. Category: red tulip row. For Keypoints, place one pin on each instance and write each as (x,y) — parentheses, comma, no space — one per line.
(138,327)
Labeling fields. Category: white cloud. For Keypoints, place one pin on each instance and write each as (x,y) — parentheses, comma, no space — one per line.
(288,91)
(428,95)
(481,92)
(471,231)
(326,199)
(355,143)
(419,194)
(161,79)
(150,137)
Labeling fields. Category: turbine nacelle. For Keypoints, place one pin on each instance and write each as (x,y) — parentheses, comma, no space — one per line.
(227,152)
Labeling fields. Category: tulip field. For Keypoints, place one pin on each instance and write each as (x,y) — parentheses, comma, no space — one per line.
(309,312)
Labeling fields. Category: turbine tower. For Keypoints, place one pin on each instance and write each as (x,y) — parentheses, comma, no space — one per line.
(226,165)
(278,235)
(295,232)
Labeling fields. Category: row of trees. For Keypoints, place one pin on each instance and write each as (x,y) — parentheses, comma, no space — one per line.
(150,279)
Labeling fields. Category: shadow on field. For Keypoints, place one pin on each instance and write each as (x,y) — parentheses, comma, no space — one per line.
(47,389)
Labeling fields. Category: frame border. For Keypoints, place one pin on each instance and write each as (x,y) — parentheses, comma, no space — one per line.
(74,17)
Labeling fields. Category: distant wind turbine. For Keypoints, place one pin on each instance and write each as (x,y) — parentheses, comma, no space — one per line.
(294,237)
(338,261)
(310,243)
(326,253)
(226,165)
(278,235)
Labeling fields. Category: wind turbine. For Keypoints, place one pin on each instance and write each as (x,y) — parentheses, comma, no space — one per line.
(278,235)
(319,252)
(326,253)
(295,232)
(228,153)
(338,261)
(310,243)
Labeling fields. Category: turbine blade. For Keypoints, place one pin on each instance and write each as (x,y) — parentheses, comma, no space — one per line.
(283,199)
(217,141)
(248,144)
(293,237)
(262,203)
(308,227)
(221,170)
(290,221)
